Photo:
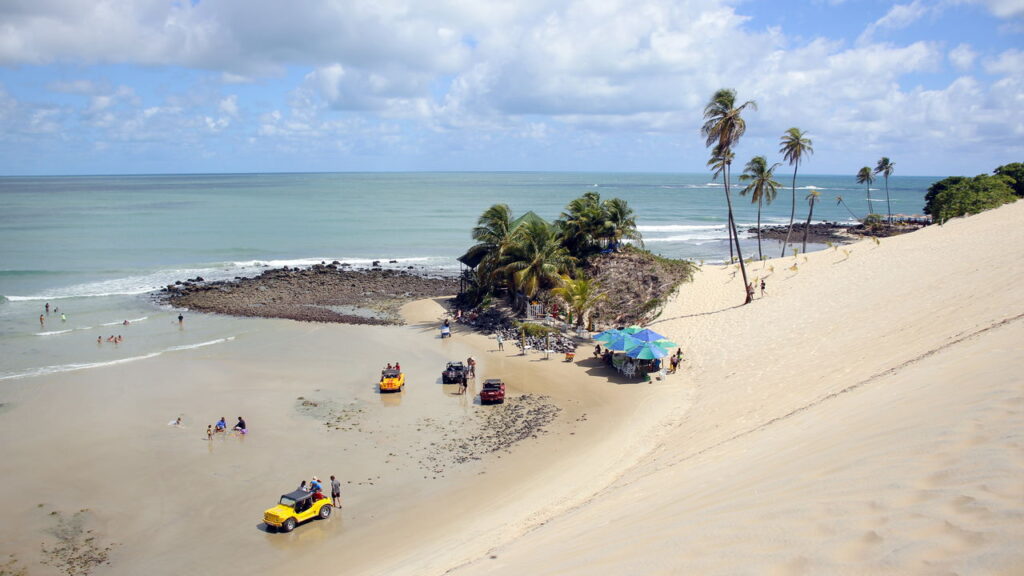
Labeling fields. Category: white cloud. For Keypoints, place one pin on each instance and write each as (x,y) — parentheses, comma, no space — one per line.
(898,17)
(962,57)
(1009,63)
(229,105)
(1002,8)
(372,76)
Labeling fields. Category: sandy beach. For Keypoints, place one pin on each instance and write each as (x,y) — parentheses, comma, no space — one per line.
(863,416)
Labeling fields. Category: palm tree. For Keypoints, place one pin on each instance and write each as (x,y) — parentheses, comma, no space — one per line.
(493,234)
(619,223)
(811,198)
(722,129)
(793,145)
(717,163)
(579,224)
(839,200)
(762,186)
(580,295)
(885,168)
(536,258)
(864,176)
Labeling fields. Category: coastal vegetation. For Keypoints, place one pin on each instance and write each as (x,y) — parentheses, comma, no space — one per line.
(793,145)
(762,189)
(959,196)
(723,127)
(885,167)
(527,259)
(866,177)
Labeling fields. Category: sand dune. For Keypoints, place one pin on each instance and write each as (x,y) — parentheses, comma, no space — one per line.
(865,416)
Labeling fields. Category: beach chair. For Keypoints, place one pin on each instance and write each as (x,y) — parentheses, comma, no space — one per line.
(629,370)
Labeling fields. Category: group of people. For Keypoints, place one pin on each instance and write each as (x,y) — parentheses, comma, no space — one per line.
(222,427)
(674,360)
(42,317)
(112,339)
(397,366)
(316,488)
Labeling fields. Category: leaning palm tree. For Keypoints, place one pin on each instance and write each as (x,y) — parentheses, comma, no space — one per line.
(793,145)
(536,258)
(885,168)
(864,176)
(722,129)
(839,200)
(580,295)
(762,188)
(811,198)
(717,163)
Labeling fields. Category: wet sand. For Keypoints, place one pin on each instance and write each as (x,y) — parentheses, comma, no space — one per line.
(425,474)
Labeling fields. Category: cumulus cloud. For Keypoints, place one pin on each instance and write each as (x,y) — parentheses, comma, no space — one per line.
(1002,8)
(962,57)
(360,76)
(1010,63)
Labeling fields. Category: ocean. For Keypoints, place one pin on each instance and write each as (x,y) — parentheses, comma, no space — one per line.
(96,247)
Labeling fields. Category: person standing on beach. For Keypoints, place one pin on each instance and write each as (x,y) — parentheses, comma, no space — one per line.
(471,363)
(762,288)
(209,432)
(501,342)
(180,319)
(335,492)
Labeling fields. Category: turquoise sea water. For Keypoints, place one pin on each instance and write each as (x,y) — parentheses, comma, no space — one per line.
(96,246)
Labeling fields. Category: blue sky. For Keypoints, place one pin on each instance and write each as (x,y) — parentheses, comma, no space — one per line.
(151,86)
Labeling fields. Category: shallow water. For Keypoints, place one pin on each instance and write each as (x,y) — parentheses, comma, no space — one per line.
(96,246)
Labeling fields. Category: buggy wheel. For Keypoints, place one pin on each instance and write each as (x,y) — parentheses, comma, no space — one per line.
(325,512)
(288,525)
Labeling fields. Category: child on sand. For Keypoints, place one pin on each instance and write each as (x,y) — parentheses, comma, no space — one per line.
(209,432)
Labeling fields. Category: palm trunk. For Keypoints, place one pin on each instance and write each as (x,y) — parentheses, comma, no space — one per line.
(760,255)
(736,238)
(728,231)
(807,228)
(850,211)
(888,204)
(792,214)
(869,199)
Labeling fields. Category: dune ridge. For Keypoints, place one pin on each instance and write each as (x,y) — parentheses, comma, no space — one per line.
(864,416)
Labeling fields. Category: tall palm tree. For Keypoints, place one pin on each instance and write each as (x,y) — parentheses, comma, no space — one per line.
(762,188)
(793,145)
(717,163)
(536,258)
(580,295)
(723,127)
(811,199)
(839,200)
(864,176)
(885,168)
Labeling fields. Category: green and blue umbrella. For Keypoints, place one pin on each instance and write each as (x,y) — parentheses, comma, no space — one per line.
(647,351)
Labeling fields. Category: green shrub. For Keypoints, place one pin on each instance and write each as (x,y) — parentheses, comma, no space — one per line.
(971,196)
